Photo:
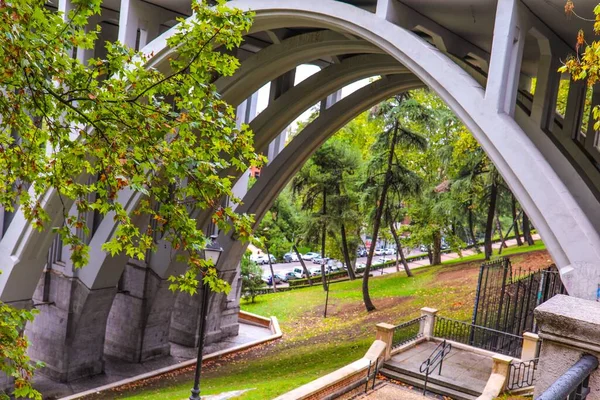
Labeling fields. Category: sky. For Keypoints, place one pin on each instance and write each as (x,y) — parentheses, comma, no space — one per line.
(303,72)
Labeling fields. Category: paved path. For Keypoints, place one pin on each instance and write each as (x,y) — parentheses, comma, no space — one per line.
(390,391)
(116,370)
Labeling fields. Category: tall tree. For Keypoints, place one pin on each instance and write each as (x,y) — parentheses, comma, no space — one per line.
(168,138)
(386,170)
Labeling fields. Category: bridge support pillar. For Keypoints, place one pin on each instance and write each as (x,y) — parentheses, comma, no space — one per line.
(138,324)
(68,333)
(222,321)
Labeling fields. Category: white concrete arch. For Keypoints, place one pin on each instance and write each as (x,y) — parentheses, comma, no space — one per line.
(294,102)
(278,59)
(568,232)
(282,169)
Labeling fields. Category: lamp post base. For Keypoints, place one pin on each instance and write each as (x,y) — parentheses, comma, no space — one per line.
(195,394)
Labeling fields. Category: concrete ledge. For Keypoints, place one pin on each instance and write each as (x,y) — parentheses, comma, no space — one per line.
(254,319)
(322,386)
(466,347)
(276,334)
(408,346)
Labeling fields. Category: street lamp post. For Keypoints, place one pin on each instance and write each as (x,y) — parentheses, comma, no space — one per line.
(212,252)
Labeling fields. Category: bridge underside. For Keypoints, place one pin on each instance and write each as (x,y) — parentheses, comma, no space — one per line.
(481,62)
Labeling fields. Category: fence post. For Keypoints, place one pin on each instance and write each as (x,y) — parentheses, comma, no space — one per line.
(428,324)
(501,366)
(530,346)
(385,333)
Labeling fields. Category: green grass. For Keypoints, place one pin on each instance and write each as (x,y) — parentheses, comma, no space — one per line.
(510,251)
(313,346)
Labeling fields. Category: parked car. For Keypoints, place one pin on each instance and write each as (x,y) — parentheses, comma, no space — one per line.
(379,252)
(291,275)
(268,279)
(319,260)
(262,259)
(362,252)
(423,248)
(309,256)
(360,267)
(315,272)
(389,251)
(299,271)
(290,257)
(381,260)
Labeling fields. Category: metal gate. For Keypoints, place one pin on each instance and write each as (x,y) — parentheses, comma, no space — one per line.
(506,297)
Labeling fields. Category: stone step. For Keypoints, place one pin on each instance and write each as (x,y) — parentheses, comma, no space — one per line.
(431,386)
(438,380)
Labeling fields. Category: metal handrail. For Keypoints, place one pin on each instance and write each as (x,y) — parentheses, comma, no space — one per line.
(407,332)
(478,336)
(436,358)
(573,383)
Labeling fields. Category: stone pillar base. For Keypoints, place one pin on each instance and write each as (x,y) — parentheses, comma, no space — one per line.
(138,324)
(68,334)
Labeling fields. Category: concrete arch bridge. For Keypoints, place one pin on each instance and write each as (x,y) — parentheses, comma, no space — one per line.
(479,57)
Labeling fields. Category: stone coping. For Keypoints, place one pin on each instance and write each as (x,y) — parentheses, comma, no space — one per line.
(569,320)
(273,326)
(375,352)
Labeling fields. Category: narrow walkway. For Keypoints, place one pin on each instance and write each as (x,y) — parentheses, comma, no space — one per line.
(445,257)
(390,391)
(116,370)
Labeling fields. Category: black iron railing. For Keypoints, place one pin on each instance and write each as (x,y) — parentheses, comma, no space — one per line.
(521,374)
(435,360)
(478,336)
(573,384)
(407,332)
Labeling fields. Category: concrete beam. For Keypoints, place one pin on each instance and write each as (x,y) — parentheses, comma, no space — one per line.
(507,52)
(277,59)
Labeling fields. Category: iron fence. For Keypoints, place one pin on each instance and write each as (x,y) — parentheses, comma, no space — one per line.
(478,336)
(407,332)
(522,374)
(506,296)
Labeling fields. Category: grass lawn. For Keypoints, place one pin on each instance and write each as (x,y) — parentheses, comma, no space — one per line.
(313,346)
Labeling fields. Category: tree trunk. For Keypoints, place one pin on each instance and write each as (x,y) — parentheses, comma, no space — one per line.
(378,214)
(489,226)
(429,255)
(323,237)
(527,230)
(271,267)
(303,265)
(516,221)
(436,258)
(471,227)
(400,252)
(346,253)
(499,228)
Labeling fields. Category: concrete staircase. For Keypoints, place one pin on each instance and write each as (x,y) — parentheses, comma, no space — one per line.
(442,385)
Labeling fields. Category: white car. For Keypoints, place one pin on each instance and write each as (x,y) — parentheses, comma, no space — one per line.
(315,272)
(390,252)
(261,259)
(310,255)
(379,252)
(299,271)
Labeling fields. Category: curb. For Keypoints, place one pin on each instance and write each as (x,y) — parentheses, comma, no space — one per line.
(273,326)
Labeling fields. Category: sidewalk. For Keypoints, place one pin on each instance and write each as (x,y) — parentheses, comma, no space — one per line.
(445,257)
(117,370)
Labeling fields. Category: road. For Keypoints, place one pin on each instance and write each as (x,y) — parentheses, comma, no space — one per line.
(284,267)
